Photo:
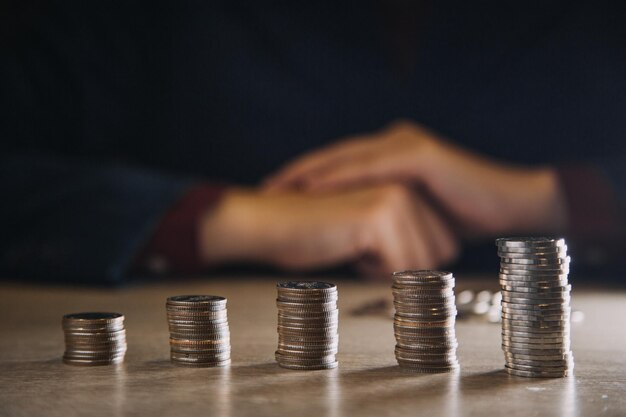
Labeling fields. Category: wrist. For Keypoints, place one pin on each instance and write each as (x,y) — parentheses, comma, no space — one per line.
(229,231)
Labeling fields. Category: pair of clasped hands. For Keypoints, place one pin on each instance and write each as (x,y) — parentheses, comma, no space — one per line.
(395,199)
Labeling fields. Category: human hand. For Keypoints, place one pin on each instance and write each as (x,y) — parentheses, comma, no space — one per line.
(382,228)
(485,198)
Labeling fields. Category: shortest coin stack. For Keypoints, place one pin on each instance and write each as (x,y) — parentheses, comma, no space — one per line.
(424,320)
(93,339)
(199,333)
(535,306)
(307,325)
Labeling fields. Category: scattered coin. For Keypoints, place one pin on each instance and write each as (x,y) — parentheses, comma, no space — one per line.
(424,320)
(535,307)
(199,332)
(308,321)
(93,339)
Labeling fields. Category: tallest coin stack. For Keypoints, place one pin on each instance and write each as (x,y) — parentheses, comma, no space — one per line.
(535,306)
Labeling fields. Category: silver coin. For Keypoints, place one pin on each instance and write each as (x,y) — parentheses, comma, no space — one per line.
(198,318)
(534,332)
(526,339)
(564,345)
(555,265)
(411,335)
(199,344)
(299,367)
(562,363)
(530,242)
(536,352)
(538,290)
(201,326)
(536,295)
(307,299)
(201,364)
(539,274)
(417,312)
(564,318)
(516,299)
(531,253)
(408,303)
(433,359)
(290,323)
(437,356)
(307,346)
(530,374)
(425,366)
(534,324)
(543,357)
(88,326)
(203,310)
(426,350)
(428,315)
(423,275)
(537,312)
(282,358)
(93,317)
(531,368)
(548,279)
(536,307)
(93,361)
(430,287)
(535,335)
(538,279)
(537,262)
(534,270)
(196,299)
(306,286)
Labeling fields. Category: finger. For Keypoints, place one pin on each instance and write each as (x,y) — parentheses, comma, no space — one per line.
(317,161)
(440,238)
(404,244)
(367,167)
(419,249)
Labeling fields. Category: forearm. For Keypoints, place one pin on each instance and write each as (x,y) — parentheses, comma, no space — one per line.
(501,198)
(228,233)
(287,229)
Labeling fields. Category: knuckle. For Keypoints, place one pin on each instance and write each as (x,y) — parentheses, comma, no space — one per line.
(389,199)
(395,193)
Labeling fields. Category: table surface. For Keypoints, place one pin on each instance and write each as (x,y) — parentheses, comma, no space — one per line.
(35,382)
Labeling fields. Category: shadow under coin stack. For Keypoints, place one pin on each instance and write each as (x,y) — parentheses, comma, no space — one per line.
(424,320)
(93,339)
(199,333)
(535,307)
(307,325)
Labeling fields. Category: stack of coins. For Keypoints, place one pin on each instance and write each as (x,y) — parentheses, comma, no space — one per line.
(535,306)
(424,320)
(307,325)
(199,333)
(93,339)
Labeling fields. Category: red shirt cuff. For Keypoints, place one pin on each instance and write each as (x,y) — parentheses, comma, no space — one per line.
(174,245)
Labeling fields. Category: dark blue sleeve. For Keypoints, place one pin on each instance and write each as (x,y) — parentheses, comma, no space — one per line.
(615,170)
(74,220)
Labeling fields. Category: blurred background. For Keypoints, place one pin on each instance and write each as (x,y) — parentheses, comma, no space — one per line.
(160,139)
